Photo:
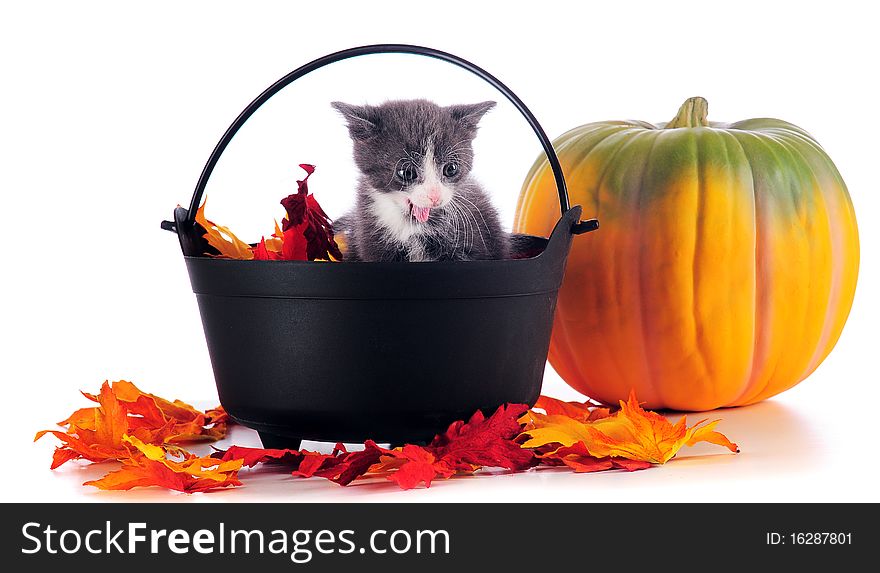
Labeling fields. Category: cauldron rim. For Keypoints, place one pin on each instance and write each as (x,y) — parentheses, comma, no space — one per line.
(400,264)
(439,280)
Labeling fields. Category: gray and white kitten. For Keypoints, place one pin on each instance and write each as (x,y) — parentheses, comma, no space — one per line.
(415,199)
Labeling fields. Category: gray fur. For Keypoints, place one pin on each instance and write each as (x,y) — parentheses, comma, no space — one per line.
(383,137)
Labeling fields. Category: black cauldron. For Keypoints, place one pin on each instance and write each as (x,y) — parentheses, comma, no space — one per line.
(304,350)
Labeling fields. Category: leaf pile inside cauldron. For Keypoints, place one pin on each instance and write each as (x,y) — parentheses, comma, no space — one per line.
(306,233)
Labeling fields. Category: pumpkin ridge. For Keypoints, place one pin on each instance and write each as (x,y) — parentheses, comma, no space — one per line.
(769,124)
(564,332)
(618,147)
(616,152)
(613,153)
(730,135)
(655,388)
(763,140)
(802,180)
(843,207)
(699,351)
(824,334)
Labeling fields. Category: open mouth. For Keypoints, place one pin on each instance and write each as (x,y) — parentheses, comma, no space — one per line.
(420,214)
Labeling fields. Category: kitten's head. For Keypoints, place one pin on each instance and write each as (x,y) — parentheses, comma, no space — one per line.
(412,153)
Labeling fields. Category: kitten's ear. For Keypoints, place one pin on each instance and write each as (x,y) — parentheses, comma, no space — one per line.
(363,120)
(469,115)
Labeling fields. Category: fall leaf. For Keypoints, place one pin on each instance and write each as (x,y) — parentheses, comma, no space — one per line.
(341,243)
(295,204)
(262,252)
(128,392)
(217,415)
(179,421)
(464,447)
(341,466)
(149,466)
(74,448)
(253,456)
(95,434)
(83,418)
(100,437)
(542,430)
(419,465)
(276,241)
(582,411)
(271,249)
(631,433)
(707,433)
(314,462)
(484,441)
(141,431)
(222,239)
(307,231)
(578,458)
(111,419)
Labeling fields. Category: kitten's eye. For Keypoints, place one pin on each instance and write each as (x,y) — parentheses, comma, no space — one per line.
(407,173)
(450,169)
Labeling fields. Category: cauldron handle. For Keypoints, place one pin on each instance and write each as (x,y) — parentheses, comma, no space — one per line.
(184,219)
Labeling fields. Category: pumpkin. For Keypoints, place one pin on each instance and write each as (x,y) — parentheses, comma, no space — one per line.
(724,268)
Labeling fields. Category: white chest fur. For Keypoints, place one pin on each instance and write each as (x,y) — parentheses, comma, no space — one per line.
(392,215)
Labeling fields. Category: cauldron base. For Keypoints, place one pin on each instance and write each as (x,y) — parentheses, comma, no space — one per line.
(276,442)
(417,430)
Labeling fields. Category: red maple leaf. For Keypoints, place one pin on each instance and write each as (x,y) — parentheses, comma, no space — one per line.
(578,458)
(484,441)
(341,466)
(262,253)
(308,233)
(253,456)
(464,447)
(419,466)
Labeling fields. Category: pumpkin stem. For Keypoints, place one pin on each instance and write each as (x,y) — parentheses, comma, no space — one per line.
(692,113)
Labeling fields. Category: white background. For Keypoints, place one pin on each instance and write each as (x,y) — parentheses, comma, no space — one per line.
(110,111)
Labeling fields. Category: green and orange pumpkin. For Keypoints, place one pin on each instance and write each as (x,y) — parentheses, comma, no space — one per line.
(724,268)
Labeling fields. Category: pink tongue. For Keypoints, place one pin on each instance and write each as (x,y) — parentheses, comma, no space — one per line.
(421,213)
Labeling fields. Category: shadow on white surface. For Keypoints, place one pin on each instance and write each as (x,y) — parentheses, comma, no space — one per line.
(770,431)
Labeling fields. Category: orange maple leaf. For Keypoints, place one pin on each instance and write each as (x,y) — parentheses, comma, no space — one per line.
(187,423)
(582,411)
(174,422)
(99,438)
(276,241)
(222,239)
(631,433)
(95,434)
(148,465)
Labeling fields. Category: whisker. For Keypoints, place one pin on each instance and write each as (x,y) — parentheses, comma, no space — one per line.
(479,212)
(473,218)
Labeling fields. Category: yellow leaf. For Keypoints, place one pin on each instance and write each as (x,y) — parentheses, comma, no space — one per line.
(148,465)
(631,433)
(222,239)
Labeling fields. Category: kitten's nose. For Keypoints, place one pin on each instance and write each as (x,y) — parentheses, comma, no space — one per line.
(434,196)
